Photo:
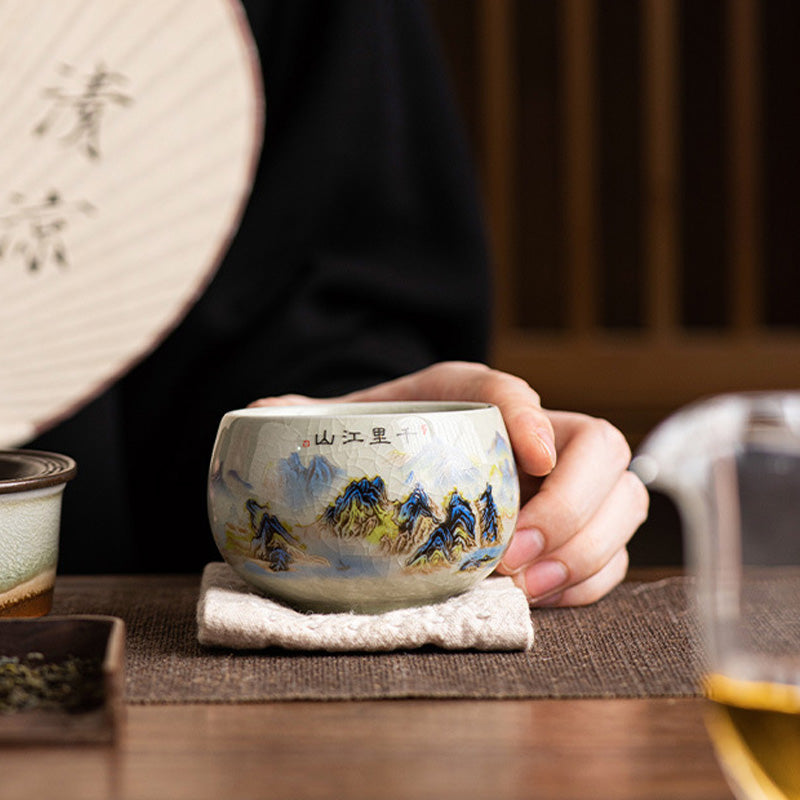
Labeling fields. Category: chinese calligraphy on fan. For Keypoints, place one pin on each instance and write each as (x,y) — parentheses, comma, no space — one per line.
(78,106)
(33,232)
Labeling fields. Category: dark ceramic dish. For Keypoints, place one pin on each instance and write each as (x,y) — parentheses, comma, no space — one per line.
(61,679)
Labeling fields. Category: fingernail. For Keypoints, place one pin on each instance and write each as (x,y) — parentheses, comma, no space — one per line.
(544,578)
(547,443)
(548,602)
(526,545)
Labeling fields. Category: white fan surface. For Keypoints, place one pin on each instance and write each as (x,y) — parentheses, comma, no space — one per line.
(130,131)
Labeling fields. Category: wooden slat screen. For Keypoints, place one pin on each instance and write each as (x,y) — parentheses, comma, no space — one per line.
(577,35)
(743,115)
(643,253)
(659,129)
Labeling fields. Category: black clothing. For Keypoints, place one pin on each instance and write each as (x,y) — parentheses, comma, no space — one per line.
(360,257)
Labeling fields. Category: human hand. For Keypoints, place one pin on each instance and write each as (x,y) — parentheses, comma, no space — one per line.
(579,503)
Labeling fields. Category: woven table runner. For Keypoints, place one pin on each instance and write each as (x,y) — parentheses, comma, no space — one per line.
(636,642)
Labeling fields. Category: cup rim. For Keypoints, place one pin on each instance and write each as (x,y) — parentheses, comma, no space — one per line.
(37,469)
(358,409)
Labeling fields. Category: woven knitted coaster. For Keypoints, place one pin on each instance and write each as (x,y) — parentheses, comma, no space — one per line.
(494,615)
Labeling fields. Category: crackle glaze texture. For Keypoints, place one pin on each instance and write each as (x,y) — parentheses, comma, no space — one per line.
(363,507)
(32,484)
(28,545)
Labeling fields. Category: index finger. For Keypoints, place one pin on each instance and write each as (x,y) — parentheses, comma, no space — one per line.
(592,456)
(529,427)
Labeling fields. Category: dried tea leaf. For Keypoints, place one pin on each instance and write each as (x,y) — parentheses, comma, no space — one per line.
(74,684)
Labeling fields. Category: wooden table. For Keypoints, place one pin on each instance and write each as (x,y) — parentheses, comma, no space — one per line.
(562,749)
(438,749)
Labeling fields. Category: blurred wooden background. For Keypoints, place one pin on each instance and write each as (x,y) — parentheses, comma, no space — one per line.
(640,162)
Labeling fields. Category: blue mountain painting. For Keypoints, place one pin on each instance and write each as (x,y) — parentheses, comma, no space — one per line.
(361,495)
(465,533)
(305,484)
(450,538)
(270,537)
(417,506)
(489,517)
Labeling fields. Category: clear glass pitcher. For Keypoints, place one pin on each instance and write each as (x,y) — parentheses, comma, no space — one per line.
(731,463)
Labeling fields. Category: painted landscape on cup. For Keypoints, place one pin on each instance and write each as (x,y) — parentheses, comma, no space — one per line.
(464,530)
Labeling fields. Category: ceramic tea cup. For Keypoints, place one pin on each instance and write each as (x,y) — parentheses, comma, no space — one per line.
(32,486)
(366,506)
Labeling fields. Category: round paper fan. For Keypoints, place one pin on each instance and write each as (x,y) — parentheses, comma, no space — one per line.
(130,131)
